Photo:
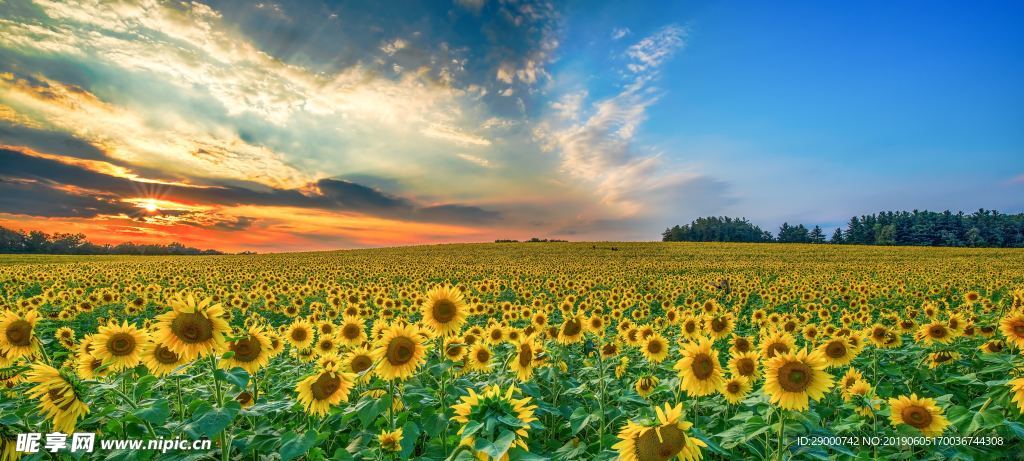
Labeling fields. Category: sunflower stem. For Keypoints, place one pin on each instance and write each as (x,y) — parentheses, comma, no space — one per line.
(782,433)
(441,391)
(135,406)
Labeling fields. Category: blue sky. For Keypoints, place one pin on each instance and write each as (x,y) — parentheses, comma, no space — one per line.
(309,125)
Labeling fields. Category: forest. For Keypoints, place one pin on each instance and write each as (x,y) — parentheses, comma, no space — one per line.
(983,228)
(37,242)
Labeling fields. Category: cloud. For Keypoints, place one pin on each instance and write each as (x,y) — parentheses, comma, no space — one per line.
(620,32)
(653,50)
(110,193)
(476,160)
(34,198)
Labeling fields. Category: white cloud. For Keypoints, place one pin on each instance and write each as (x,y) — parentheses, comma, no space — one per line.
(620,32)
(476,160)
(652,51)
(450,133)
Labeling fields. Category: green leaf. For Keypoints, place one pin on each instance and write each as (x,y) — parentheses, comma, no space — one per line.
(238,377)
(156,413)
(292,446)
(370,412)
(499,447)
(410,432)
(210,421)
(578,420)
(472,428)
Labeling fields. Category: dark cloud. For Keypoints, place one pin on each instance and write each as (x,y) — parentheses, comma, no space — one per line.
(332,194)
(55,142)
(39,199)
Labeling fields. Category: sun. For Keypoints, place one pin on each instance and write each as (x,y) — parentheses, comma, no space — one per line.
(149,206)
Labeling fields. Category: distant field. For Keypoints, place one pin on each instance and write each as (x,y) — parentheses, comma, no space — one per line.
(325,355)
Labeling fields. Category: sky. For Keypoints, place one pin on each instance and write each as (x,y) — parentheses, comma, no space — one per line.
(288,126)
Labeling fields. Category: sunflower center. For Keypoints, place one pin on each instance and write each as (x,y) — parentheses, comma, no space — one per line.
(483,355)
(572,327)
(745,366)
(165,355)
(654,347)
(351,331)
(608,349)
(717,324)
(19,333)
(244,398)
(444,310)
(835,350)
(937,331)
(246,350)
(299,334)
(1018,328)
(916,416)
(702,366)
(192,328)
(60,399)
(325,386)
(525,355)
(400,350)
(454,351)
(742,345)
(777,348)
(361,363)
(121,344)
(732,387)
(794,376)
(651,447)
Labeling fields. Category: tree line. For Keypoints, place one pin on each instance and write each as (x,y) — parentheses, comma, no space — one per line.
(37,242)
(983,228)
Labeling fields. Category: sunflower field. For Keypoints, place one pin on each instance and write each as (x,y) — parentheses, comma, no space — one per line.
(569,351)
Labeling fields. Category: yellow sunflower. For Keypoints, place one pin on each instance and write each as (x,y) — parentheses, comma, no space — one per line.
(777,342)
(571,331)
(251,351)
(300,334)
(655,348)
(699,371)
(16,334)
(324,389)
(736,389)
(935,332)
(920,413)
(1017,387)
(119,346)
(514,415)
(479,358)
(665,440)
(793,378)
(192,329)
(159,360)
(645,385)
(390,441)
(837,352)
(358,361)
(1012,327)
(526,358)
(745,364)
(59,399)
(352,331)
(399,352)
(445,310)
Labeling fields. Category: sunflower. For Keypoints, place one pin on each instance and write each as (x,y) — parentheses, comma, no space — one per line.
(526,358)
(455,350)
(699,371)
(159,360)
(936,359)
(920,413)
(746,365)
(251,351)
(322,390)
(58,396)
(777,342)
(326,345)
(935,332)
(390,441)
(736,389)
(352,331)
(512,415)
(1012,327)
(791,379)
(662,441)
(741,344)
(192,329)
(655,348)
(16,334)
(300,334)
(245,399)
(9,444)
(645,385)
(571,331)
(399,352)
(445,310)
(358,361)
(119,347)
(861,391)
(837,352)
(994,346)
(479,358)
(1017,387)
